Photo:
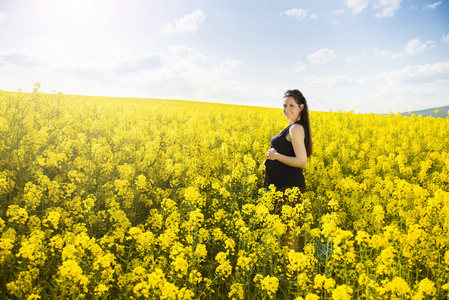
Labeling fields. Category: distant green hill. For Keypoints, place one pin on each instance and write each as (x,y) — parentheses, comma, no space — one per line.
(442,112)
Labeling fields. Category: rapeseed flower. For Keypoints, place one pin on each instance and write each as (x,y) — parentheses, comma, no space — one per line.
(237,292)
(165,199)
(268,284)
(309,297)
(342,292)
(425,288)
(398,287)
(224,269)
(17,214)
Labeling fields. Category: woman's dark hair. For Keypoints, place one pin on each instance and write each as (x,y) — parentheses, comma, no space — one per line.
(304,115)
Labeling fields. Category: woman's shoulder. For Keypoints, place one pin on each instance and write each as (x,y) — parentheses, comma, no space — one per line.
(297,127)
(298,124)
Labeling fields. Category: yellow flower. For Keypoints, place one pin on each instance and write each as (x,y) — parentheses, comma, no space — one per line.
(53,219)
(298,262)
(32,248)
(244,262)
(229,245)
(141,289)
(181,266)
(142,183)
(200,252)
(398,286)
(362,237)
(16,214)
(237,292)
(311,297)
(168,237)
(6,245)
(224,269)
(329,284)
(69,252)
(71,270)
(322,281)
(168,204)
(196,218)
(218,234)
(203,235)
(342,292)
(195,277)
(6,181)
(149,196)
(379,214)
(194,197)
(185,294)
(101,289)
(270,285)
(425,287)
(105,261)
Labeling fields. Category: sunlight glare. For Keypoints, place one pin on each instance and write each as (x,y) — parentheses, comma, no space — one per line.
(76,17)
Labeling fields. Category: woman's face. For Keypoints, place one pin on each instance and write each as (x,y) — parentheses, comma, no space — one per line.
(291,109)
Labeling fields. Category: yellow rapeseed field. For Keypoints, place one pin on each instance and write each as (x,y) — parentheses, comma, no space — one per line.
(107,198)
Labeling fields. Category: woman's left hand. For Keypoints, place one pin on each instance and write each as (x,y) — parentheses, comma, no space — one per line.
(271,154)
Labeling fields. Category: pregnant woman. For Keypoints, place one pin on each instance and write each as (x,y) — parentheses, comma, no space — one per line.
(290,148)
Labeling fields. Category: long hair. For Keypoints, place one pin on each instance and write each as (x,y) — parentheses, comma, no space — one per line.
(304,115)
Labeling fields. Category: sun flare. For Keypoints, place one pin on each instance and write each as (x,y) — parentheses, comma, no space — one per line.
(75,17)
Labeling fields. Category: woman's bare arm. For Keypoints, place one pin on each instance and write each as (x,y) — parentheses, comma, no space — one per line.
(297,140)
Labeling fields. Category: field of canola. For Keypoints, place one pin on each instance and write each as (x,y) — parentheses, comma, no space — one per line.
(106,198)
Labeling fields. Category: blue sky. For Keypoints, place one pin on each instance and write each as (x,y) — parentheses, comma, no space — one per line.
(362,55)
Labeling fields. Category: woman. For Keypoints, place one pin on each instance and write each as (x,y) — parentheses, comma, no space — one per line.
(289,150)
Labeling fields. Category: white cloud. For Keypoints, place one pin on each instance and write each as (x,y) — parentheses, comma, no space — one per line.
(413,47)
(383,8)
(433,5)
(381,53)
(361,55)
(333,81)
(438,72)
(88,70)
(189,23)
(298,67)
(356,6)
(416,46)
(179,73)
(20,58)
(298,13)
(179,64)
(295,68)
(351,59)
(321,56)
(387,8)
(228,65)
(190,75)
(446,38)
(85,72)
(187,54)
(2,17)
(142,62)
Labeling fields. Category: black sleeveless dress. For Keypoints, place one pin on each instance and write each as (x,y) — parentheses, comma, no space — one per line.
(278,173)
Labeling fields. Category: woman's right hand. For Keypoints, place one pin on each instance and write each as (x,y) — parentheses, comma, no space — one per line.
(271,154)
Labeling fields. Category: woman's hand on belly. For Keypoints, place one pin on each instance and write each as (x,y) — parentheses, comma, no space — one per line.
(272,153)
